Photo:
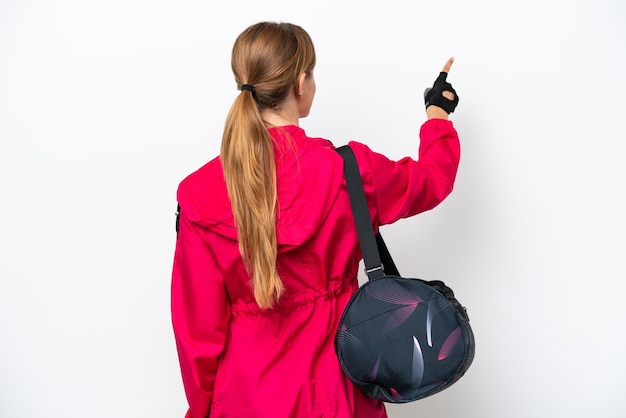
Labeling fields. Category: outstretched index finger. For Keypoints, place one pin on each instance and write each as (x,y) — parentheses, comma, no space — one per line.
(446,67)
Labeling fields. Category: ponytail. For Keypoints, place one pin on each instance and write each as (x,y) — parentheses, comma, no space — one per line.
(250,172)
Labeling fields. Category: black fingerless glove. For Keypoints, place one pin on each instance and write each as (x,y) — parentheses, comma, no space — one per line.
(434,95)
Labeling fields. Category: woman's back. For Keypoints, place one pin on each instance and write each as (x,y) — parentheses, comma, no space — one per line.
(282,359)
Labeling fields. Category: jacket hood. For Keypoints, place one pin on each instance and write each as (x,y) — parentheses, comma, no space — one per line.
(309,176)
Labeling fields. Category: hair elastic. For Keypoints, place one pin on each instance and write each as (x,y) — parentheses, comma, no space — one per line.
(248,87)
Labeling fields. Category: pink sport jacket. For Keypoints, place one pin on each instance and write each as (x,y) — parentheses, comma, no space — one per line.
(238,360)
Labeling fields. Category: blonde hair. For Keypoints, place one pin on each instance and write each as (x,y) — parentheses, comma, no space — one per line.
(270,57)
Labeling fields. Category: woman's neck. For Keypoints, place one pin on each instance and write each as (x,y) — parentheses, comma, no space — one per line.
(287,115)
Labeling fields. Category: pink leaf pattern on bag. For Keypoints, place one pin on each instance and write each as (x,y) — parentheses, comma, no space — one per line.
(374,372)
(395,394)
(397,295)
(449,343)
(399,316)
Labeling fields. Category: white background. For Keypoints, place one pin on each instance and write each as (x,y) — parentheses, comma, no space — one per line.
(106,106)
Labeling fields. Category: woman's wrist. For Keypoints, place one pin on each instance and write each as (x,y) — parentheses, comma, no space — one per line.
(435,112)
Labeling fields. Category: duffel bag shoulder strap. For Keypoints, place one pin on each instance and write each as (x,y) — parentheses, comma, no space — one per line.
(372,245)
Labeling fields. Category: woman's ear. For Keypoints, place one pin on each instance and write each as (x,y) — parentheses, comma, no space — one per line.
(301,81)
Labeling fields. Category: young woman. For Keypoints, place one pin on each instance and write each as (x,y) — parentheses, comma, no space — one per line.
(267,253)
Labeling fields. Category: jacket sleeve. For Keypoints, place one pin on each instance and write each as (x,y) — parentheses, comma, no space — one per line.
(200,316)
(399,189)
